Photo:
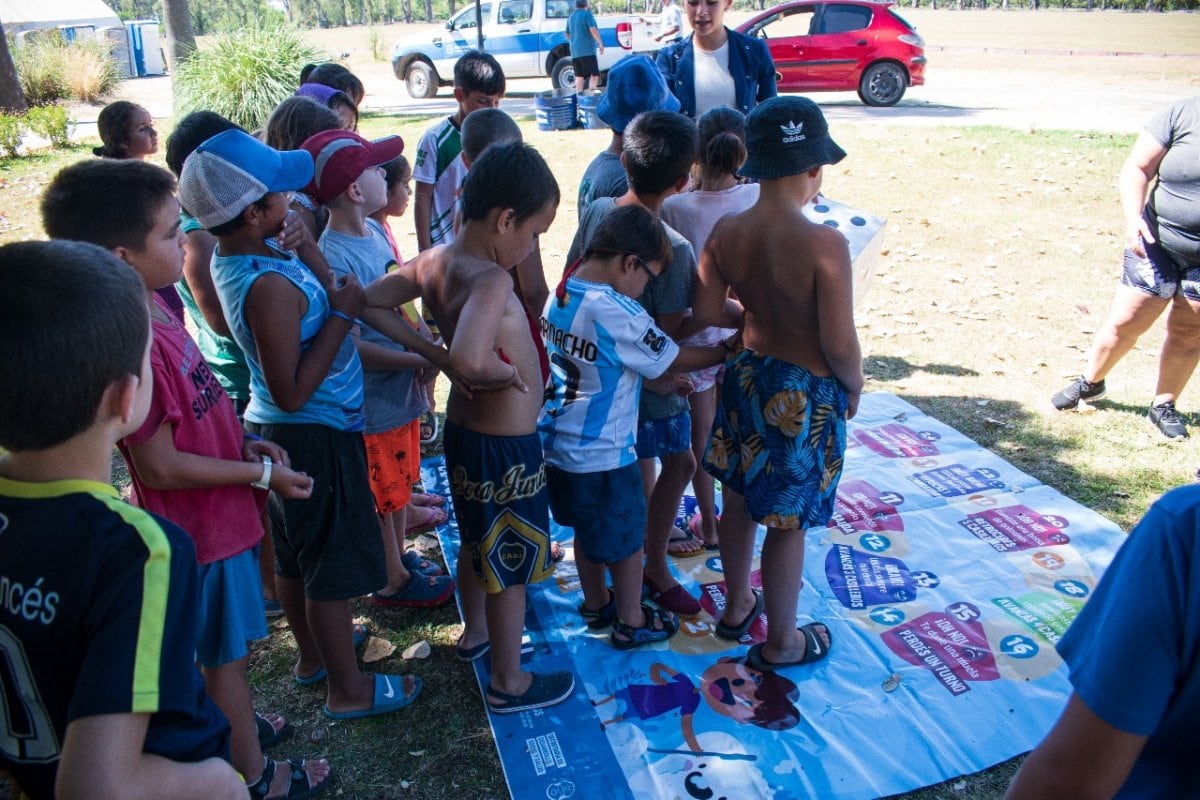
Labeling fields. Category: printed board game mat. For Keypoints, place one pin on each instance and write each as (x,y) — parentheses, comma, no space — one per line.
(946,576)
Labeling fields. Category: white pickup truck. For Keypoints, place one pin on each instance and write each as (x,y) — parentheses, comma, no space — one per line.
(527,37)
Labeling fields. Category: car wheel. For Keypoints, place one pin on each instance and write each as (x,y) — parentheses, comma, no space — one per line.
(882,84)
(420,80)
(562,74)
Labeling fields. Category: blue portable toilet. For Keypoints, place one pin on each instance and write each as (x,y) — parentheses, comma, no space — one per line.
(145,51)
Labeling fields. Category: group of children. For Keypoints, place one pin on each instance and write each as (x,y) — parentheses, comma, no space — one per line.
(304,395)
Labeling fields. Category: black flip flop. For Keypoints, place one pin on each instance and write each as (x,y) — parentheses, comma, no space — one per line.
(815,650)
(736,632)
(267,735)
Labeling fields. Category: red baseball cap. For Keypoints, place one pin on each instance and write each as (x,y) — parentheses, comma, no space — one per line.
(339,157)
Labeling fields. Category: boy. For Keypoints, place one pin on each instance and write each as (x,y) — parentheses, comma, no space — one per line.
(792,389)
(108,701)
(481,129)
(1129,728)
(351,186)
(660,147)
(583,36)
(306,395)
(493,452)
(439,169)
(634,85)
(188,461)
(601,345)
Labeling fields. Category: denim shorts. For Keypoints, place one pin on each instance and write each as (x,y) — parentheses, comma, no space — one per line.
(664,437)
(606,509)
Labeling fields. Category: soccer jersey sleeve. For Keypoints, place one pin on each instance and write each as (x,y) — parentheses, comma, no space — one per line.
(1130,647)
(642,347)
(425,161)
(141,621)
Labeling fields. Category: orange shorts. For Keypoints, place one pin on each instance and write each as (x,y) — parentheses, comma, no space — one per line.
(394,465)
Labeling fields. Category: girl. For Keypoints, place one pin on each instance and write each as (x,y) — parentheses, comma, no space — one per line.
(717,192)
(127,131)
(293,121)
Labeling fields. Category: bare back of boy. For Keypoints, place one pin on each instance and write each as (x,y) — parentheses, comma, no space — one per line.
(793,278)
(473,302)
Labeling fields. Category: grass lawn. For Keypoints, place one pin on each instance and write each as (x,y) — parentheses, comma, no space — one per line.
(1002,250)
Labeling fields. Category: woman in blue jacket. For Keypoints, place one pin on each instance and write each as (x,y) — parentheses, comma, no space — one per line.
(716,66)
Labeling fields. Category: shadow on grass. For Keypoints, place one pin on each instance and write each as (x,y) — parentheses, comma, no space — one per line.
(891,368)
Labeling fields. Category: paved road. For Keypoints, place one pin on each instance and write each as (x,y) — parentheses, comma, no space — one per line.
(951,96)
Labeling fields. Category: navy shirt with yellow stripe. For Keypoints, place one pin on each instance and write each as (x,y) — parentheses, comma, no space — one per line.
(97,616)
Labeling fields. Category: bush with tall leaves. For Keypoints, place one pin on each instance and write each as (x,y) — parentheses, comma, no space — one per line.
(51,69)
(244,74)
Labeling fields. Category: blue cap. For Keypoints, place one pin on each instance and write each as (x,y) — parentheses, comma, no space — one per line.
(231,170)
(634,85)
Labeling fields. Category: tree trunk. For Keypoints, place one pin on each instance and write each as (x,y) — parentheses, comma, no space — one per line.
(406,10)
(12,99)
(180,41)
(429,10)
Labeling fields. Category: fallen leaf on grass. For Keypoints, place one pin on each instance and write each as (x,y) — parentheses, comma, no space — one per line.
(280,624)
(418,650)
(994,421)
(377,649)
(1122,495)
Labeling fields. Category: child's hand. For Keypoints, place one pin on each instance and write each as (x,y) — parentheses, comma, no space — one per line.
(346,295)
(426,375)
(294,234)
(671,383)
(254,450)
(290,484)
(852,407)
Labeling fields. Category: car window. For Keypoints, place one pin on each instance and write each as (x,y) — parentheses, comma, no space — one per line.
(558,9)
(841,19)
(466,19)
(795,22)
(515,11)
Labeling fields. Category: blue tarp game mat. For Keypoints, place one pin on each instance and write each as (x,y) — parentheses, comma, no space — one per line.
(946,577)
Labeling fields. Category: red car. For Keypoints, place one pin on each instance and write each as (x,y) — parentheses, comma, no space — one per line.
(842,45)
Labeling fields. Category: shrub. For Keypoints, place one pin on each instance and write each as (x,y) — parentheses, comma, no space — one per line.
(51,122)
(244,74)
(377,44)
(50,70)
(12,128)
(39,70)
(89,71)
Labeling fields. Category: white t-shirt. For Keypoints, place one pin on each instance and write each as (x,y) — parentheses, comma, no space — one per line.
(714,84)
(668,19)
(601,344)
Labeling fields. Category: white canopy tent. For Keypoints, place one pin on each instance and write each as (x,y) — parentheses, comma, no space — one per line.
(27,15)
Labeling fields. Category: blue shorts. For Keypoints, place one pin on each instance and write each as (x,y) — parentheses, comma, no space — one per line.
(331,540)
(231,608)
(778,440)
(499,489)
(664,437)
(606,509)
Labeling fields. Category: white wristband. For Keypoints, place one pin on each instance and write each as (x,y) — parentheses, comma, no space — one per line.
(264,482)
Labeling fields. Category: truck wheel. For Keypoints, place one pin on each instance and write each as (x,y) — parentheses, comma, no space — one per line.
(562,74)
(420,80)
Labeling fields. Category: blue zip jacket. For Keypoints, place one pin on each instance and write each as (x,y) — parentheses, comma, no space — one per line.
(750,65)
